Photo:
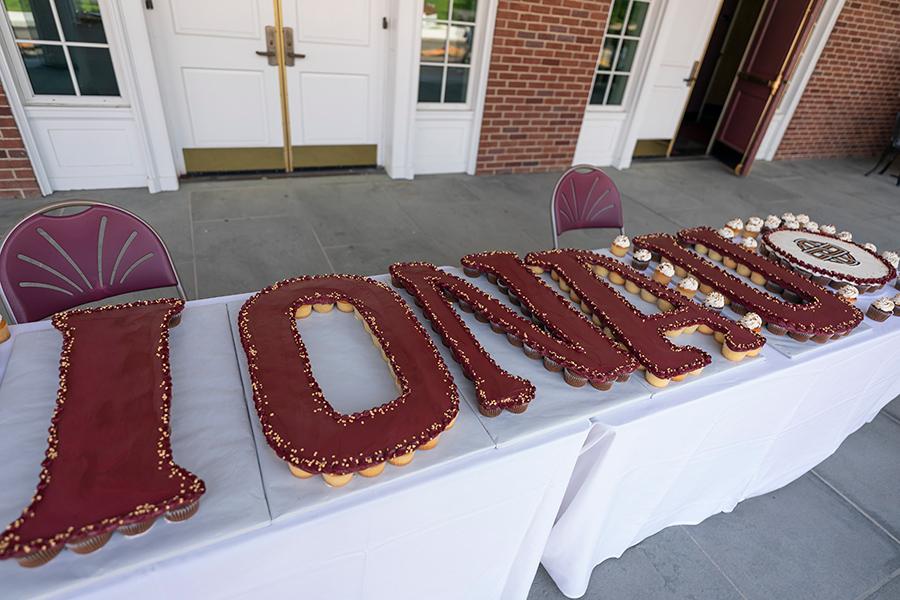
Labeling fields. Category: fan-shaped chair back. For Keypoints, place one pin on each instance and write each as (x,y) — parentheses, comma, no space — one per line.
(53,263)
(585,198)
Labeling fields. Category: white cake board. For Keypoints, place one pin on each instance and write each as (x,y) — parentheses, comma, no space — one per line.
(358,381)
(211,437)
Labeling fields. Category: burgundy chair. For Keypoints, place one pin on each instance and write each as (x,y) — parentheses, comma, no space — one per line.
(585,198)
(53,263)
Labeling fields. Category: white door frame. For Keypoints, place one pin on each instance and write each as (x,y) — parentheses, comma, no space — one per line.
(130,48)
(805,68)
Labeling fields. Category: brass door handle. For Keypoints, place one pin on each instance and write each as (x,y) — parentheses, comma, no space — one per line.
(690,79)
(270,51)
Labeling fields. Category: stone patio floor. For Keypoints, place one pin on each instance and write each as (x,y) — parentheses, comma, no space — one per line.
(232,236)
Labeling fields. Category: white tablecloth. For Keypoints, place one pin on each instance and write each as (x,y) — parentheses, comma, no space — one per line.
(696,450)
(464,520)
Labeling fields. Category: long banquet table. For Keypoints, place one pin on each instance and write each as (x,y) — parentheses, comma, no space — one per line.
(578,478)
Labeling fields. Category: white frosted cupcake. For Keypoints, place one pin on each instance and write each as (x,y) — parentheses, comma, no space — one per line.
(714,301)
(620,245)
(802,218)
(791,224)
(848,294)
(811,226)
(664,273)
(752,228)
(881,309)
(891,257)
(640,259)
(751,321)
(845,236)
(749,244)
(788,216)
(870,247)
(771,223)
(726,232)
(828,228)
(736,225)
(688,286)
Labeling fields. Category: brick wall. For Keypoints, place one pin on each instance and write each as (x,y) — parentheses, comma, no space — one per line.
(849,104)
(542,65)
(16,177)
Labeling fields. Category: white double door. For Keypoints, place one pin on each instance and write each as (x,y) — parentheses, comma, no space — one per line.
(219,93)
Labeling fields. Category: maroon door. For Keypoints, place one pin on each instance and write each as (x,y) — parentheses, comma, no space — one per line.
(771,57)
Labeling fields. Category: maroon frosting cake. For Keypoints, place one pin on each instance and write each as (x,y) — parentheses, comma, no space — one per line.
(298,422)
(109,462)
(807,310)
(643,334)
(556,333)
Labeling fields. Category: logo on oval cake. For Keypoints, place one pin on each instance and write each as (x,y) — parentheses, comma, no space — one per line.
(826,251)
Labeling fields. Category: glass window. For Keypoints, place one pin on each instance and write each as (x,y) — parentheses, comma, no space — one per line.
(63,47)
(448,33)
(620,44)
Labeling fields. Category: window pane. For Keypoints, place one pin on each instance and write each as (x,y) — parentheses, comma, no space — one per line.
(80,20)
(464,10)
(626,55)
(617,16)
(457,84)
(31,19)
(94,71)
(47,69)
(430,83)
(437,9)
(460,47)
(617,89)
(599,88)
(434,40)
(607,53)
(636,20)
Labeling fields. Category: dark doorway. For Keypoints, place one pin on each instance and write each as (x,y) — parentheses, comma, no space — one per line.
(726,49)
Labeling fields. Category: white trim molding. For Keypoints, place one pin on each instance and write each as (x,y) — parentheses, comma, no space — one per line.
(481,82)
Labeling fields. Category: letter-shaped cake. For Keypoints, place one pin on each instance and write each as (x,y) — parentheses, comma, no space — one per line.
(109,463)
(808,310)
(570,343)
(298,422)
(645,336)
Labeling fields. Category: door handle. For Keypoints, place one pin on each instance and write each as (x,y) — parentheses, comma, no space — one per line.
(271,53)
(690,79)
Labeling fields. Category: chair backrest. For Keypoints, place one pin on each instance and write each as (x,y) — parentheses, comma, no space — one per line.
(585,198)
(53,263)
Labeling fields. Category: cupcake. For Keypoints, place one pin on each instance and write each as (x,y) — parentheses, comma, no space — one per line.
(640,259)
(736,225)
(802,218)
(848,294)
(811,226)
(788,216)
(620,245)
(870,247)
(790,224)
(727,233)
(751,321)
(753,227)
(845,236)
(688,286)
(892,258)
(881,309)
(663,273)
(749,244)
(771,223)
(714,301)
(829,229)
(897,305)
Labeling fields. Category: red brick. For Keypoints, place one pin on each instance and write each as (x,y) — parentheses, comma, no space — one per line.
(541,69)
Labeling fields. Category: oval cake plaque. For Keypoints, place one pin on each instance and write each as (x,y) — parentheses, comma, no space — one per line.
(828,256)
